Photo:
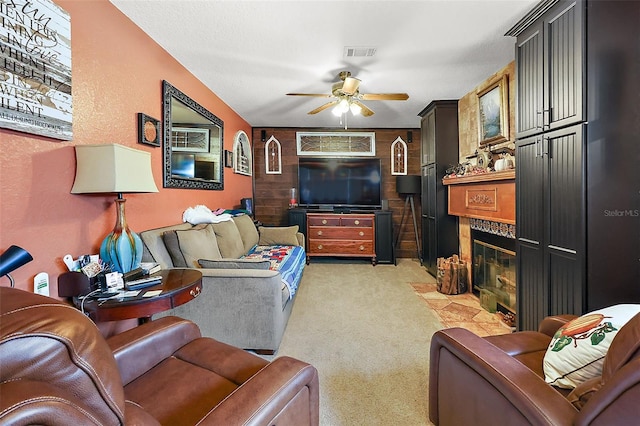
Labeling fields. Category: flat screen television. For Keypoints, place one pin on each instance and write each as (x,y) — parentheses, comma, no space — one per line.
(330,183)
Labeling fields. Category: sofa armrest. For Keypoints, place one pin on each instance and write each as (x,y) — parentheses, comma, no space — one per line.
(300,237)
(139,349)
(285,389)
(551,324)
(504,390)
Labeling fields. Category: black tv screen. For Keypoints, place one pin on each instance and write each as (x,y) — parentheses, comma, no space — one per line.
(339,182)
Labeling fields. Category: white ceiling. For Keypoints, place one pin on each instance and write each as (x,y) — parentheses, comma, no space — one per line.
(251,53)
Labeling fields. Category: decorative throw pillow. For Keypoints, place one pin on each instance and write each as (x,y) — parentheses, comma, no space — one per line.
(576,352)
(248,231)
(229,240)
(235,264)
(187,246)
(278,235)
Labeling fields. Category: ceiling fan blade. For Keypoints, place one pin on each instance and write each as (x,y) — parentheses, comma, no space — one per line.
(323,107)
(366,111)
(350,85)
(384,97)
(317,95)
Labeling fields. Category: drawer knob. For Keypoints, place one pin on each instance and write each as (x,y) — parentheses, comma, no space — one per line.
(195,292)
(361,248)
(319,246)
(324,221)
(357,222)
(361,233)
(319,232)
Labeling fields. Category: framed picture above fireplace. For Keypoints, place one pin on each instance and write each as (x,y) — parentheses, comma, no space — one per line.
(493,112)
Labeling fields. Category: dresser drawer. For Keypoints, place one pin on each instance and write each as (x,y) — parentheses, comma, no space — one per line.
(338,247)
(339,233)
(333,220)
(357,221)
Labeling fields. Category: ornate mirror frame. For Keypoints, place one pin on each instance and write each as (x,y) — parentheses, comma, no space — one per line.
(203,122)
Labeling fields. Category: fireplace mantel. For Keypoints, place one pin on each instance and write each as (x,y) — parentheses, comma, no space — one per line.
(488,196)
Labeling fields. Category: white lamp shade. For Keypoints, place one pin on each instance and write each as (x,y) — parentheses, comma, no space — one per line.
(112,168)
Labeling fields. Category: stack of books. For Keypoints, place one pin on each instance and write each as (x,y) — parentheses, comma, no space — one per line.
(150,267)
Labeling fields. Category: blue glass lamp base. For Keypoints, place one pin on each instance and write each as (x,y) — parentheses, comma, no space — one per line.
(122,250)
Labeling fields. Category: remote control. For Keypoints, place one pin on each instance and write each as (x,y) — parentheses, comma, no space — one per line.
(143,282)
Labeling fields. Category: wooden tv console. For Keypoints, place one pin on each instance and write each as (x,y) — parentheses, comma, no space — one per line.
(348,235)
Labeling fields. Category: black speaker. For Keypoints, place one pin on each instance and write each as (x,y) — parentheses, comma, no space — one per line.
(247,204)
(409,136)
(263,135)
(408,184)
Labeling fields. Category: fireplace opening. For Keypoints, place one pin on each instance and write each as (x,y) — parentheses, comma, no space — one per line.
(494,272)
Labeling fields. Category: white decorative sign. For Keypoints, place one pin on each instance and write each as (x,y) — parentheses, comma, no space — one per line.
(35,68)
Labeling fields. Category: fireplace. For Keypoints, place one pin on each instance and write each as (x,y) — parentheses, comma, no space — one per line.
(485,205)
(494,270)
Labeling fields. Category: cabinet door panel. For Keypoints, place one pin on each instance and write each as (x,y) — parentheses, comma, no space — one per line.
(430,247)
(565,189)
(532,288)
(564,72)
(565,283)
(431,191)
(529,72)
(529,190)
(428,133)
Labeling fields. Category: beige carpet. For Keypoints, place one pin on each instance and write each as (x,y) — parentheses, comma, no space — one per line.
(368,335)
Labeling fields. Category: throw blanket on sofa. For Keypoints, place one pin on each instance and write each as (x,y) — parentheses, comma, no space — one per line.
(288,260)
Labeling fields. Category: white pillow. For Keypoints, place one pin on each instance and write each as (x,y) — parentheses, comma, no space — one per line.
(576,352)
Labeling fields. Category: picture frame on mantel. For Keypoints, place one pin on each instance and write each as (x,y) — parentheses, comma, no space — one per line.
(493,112)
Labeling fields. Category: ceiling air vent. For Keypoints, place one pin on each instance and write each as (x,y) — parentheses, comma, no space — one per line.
(356,51)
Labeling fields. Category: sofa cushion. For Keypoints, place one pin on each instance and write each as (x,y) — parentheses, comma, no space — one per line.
(248,232)
(278,235)
(235,264)
(186,247)
(229,240)
(577,351)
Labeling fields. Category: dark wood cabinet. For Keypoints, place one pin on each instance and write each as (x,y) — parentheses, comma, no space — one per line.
(550,224)
(439,131)
(550,69)
(577,179)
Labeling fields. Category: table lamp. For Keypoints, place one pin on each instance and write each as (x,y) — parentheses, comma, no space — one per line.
(113,168)
(13,258)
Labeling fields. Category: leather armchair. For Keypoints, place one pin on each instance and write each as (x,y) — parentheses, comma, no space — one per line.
(499,380)
(57,369)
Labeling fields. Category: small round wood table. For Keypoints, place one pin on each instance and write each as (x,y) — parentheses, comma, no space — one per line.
(178,287)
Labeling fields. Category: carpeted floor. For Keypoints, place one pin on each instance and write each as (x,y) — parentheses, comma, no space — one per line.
(368,334)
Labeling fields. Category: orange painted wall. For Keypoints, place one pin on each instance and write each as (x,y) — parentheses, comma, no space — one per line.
(117,71)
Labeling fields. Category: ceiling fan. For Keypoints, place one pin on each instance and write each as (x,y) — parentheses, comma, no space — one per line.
(347,97)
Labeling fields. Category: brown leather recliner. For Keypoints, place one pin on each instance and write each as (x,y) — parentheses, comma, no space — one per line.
(499,380)
(57,369)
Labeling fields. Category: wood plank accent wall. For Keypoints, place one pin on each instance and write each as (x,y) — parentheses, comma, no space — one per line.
(271,192)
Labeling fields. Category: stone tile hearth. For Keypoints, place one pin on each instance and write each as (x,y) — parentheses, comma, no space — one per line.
(461,310)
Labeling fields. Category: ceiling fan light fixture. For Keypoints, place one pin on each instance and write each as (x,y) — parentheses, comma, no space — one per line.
(355,109)
(341,108)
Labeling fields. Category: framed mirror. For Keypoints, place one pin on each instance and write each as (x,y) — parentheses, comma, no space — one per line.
(192,140)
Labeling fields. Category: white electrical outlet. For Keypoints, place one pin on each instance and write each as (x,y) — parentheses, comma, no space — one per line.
(41,284)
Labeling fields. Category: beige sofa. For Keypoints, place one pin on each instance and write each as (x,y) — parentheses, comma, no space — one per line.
(244,301)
